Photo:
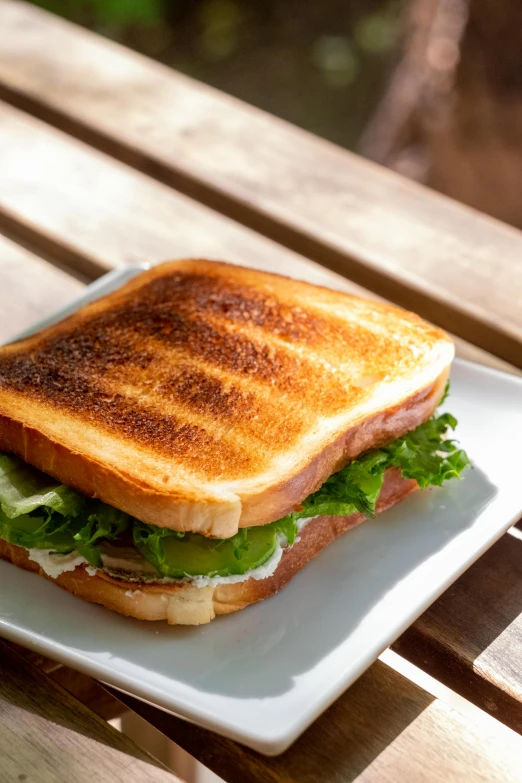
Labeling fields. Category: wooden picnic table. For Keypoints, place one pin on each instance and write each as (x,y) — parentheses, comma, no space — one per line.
(108,158)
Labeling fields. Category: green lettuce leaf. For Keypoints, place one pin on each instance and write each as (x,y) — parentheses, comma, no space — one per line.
(37,512)
(24,489)
(424,454)
(39,531)
(287,526)
(104,522)
(445,394)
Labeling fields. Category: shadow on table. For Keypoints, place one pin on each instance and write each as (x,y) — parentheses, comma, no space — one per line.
(468,637)
(24,690)
(342,743)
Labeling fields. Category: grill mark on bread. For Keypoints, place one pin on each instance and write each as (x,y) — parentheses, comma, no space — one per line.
(70,370)
(206,389)
(114,338)
(230,415)
(234,352)
(173,317)
(236,302)
(167,434)
(291,345)
(131,336)
(234,310)
(299,382)
(219,397)
(207,394)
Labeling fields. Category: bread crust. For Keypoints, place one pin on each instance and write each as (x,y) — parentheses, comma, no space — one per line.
(376,431)
(210,517)
(85,425)
(186,604)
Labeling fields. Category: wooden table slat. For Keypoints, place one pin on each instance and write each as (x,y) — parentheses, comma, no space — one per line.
(90,212)
(93,213)
(474,630)
(49,736)
(31,288)
(84,688)
(395,237)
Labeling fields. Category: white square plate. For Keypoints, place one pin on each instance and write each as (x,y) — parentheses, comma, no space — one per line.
(261,676)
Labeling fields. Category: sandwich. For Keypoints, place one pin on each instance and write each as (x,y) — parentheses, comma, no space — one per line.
(182,447)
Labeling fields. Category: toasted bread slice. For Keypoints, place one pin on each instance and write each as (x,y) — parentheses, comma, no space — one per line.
(186,604)
(203,396)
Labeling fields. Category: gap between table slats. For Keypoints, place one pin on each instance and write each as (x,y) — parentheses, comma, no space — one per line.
(48,735)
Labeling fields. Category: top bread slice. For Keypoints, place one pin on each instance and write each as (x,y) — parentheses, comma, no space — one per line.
(204,396)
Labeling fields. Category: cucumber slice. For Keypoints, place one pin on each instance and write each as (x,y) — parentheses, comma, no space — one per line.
(33,532)
(191,554)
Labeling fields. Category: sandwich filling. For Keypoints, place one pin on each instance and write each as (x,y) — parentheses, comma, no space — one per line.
(63,529)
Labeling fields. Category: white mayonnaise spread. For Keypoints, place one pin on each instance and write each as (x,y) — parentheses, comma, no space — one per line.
(55,564)
(144,575)
(263,572)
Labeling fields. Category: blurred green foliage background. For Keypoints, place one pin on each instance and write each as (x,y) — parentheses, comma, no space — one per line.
(322,64)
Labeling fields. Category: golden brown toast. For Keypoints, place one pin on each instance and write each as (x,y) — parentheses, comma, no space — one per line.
(187,604)
(202,396)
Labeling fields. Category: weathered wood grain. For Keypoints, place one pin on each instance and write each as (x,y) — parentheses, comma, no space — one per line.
(84,688)
(94,213)
(88,692)
(384,728)
(48,736)
(30,288)
(397,238)
(471,638)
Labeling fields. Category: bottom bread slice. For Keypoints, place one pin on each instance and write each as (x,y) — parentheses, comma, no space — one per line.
(186,604)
